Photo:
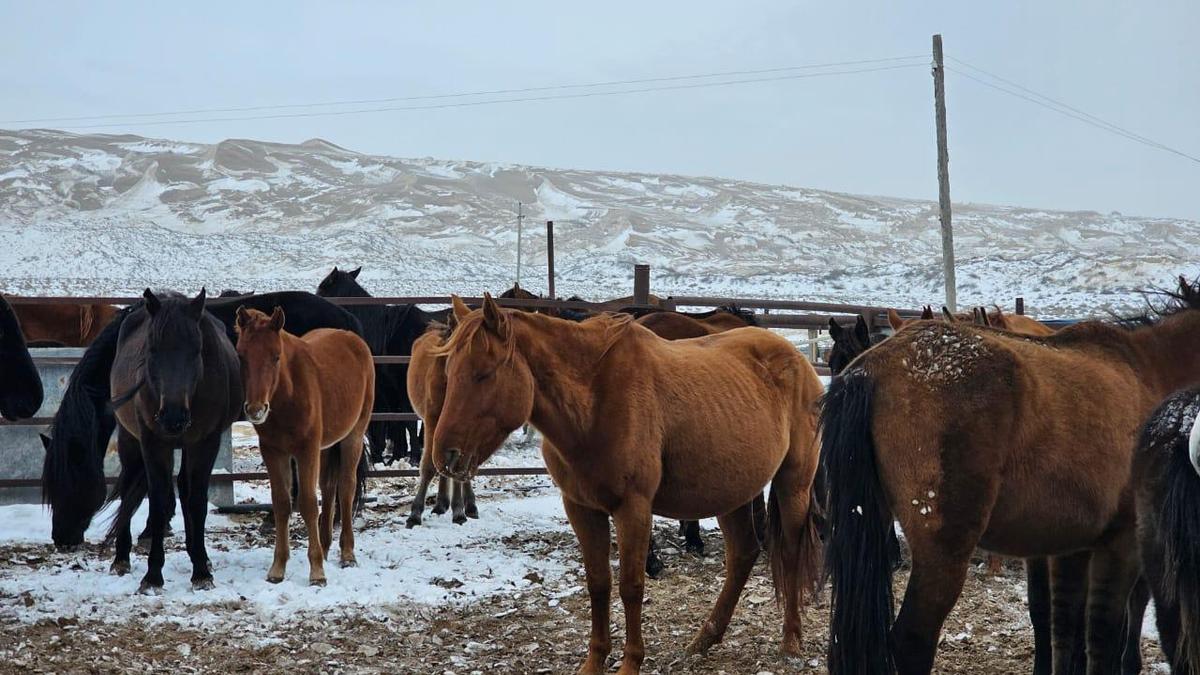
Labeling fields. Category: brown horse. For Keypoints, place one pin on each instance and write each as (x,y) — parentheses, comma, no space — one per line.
(307,395)
(66,325)
(909,430)
(427,391)
(681,326)
(635,425)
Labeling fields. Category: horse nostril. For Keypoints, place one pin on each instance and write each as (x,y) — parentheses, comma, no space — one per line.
(452,457)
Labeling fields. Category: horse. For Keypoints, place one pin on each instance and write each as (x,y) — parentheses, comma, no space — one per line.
(634,425)
(310,399)
(427,391)
(849,343)
(671,325)
(1166,469)
(177,375)
(63,325)
(389,330)
(73,469)
(20,385)
(908,430)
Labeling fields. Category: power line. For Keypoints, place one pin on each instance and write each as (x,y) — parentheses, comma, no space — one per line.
(468,104)
(1064,109)
(492,92)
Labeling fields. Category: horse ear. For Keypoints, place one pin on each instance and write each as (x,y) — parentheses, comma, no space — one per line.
(196,306)
(862,331)
(835,329)
(277,319)
(493,319)
(354,272)
(152,302)
(243,317)
(45,442)
(894,320)
(946,315)
(927,313)
(460,308)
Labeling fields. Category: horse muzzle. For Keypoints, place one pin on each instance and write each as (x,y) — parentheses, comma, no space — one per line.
(455,465)
(257,414)
(173,422)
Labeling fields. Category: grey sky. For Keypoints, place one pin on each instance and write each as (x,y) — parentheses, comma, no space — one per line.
(1133,64)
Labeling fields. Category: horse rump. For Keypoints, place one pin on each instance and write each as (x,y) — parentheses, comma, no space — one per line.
(857,553)
(1168,486)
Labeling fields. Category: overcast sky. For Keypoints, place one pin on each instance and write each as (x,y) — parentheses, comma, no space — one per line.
(1133,64)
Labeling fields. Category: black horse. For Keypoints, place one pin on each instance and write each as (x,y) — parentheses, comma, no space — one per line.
(180,386)
(73,472)
(389,330)
(20,385)
(1166,469)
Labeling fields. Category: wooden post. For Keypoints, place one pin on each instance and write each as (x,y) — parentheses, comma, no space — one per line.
(813,349)
(1020,305)
(520,222)
(641,284)
(550,260)
(943,170)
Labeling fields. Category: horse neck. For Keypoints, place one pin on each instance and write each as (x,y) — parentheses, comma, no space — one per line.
(1170,359)
(291,361)
(563,357)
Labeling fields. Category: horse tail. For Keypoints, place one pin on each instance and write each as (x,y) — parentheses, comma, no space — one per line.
(806,578)
(131,488)
(860,522)
(1178,527)
(360,485)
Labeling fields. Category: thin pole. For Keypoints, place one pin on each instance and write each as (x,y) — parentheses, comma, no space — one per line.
(520,219)
(641,284)
(550,259)
(943,169)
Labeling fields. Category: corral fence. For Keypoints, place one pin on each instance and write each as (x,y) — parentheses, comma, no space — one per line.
(812,317)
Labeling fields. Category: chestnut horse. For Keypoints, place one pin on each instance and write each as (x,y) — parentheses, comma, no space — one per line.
(909,430)
(635,425)
(1166,471)
(66,325)
(427,391)
(307,396)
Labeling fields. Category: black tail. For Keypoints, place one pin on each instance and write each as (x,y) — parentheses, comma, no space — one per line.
(73,469)
(360,487)
(131,489)
(1178,526)
(860,521)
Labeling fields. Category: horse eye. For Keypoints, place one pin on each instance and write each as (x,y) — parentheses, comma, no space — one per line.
(480,377)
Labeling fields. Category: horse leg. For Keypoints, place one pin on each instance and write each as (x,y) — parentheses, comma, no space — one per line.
(442,503)
(418,504)
(1113,573)
(469,496)
(690,529)
(741,551)
(633,521)
(158,459)
(351,449)
(760,519)
(194,475)
(1069,593)
(308,462)
(1037,587)
(1139,597)
(415,443)
(279,471)
(329,490)
(132,488)
(456,503)
(591,527)
(654,564)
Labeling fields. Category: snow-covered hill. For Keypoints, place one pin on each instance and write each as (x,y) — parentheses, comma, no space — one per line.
(112,214)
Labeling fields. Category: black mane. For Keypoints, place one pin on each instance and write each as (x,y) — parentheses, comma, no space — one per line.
(1185,296)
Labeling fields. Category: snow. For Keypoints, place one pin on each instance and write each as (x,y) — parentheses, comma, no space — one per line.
(239,185)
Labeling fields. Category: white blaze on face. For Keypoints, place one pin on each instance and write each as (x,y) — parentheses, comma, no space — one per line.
(1194,444)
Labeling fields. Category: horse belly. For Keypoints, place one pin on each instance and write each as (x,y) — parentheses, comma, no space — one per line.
(706,476)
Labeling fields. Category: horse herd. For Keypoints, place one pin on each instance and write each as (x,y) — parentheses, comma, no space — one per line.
(1076,450)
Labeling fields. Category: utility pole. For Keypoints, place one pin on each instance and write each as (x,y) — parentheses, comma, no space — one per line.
(550,260)
(943,169)
(520,219)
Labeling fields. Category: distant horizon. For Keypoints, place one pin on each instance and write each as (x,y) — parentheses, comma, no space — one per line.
(932,201)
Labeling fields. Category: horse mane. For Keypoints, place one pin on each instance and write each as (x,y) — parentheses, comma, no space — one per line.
(740,312)
(615,327)
(1185,296)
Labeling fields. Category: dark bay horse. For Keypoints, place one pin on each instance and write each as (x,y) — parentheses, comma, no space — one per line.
(909,431)
(176,377)
(389,330)
(20,385)
(65,325)
(636,425)
(1166,469)
(73,472)
(427,390)
(310,400)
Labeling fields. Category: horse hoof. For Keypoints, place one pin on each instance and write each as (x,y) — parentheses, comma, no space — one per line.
(460,520)
(438,510)
(473,514)
(348,562)
(274,580)
(147,588)
(316,582)
(791,646)
(654,567)
(203,584)
(412,522)
(119,568)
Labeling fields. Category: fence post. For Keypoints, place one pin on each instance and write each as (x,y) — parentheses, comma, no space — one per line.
(813,349)
(550,260)
(641,284)
(1020,305)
